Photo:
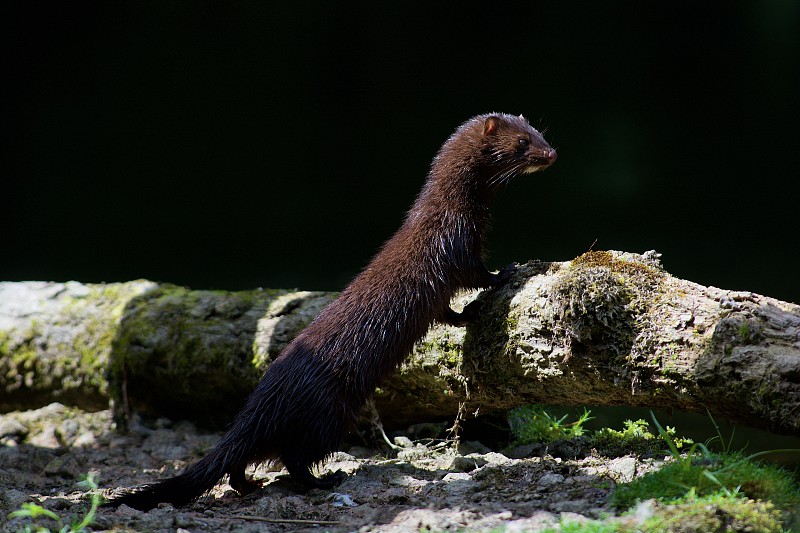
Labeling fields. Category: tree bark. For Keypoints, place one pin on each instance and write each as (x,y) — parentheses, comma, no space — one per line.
(607,328)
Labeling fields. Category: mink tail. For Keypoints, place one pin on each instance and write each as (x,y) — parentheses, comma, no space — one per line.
(186,487)
(294,415)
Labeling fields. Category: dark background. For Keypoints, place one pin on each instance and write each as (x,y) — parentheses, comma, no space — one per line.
(233,145)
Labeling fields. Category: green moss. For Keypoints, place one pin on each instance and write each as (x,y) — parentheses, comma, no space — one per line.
(5,344)
(492,334)
(188,353)
(512,323)
(708,514)
(20,359)
(611,308)
(605,259)
(594,299)
(717,512)
(24,354)
(745,333)
(714,475)
(592,526)
(442,348)
(97,315)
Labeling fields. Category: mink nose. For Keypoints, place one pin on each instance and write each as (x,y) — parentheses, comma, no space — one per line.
(551,156)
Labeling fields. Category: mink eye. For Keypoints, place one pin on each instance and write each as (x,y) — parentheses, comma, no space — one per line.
(523,142)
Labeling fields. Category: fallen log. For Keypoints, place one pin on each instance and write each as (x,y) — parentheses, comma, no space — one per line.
(607,328)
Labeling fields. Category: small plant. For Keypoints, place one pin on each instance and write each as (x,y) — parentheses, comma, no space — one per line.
(640,430)
(701,474)
(719,441)
(636,437)
(698,490)
(532,424)
(36,512)
(632,430)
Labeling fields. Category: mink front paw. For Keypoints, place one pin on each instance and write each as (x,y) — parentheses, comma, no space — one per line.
(472,311)
(505,274)
(469,315)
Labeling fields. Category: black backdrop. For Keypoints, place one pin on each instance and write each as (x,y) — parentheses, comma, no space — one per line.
(242,144)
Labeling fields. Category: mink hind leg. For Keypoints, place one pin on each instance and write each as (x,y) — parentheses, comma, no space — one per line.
(318,443)
(240,482)
(301,471)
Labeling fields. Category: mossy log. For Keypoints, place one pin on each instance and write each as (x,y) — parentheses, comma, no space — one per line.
(612,328)
(154,349)
(607,328)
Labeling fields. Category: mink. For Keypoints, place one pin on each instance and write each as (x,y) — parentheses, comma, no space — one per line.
(312,394)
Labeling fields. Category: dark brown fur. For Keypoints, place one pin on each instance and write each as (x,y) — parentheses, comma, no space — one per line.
(310,397)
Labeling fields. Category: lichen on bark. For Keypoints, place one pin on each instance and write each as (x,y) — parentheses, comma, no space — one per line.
(55,340)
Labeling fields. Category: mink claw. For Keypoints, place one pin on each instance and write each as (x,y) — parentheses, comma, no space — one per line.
(505,274)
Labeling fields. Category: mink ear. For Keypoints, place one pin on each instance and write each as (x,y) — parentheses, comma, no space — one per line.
(490,125)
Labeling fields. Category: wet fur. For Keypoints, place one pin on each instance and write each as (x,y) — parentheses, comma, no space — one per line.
(312,394)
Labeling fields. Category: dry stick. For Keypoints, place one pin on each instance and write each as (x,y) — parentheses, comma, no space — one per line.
(283,520)
(378,424)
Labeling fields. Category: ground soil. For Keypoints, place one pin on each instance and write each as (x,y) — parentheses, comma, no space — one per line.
(426,485)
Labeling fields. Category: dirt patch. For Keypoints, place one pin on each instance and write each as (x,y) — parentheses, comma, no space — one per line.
(44,453)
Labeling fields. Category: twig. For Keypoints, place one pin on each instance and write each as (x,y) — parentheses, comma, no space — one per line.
(377,424)
(283,520)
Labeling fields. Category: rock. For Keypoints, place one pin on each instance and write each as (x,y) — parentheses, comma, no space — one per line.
(472,446)
(467,464)
(47,438)
(67,431)
(550,479)
(496,458)
(185,520)
(539,521)
(623,469)
(62,466)
(520,452)
(13,499)
(85,440)
(361,452)
(343,462)
(403,442)
(11,428)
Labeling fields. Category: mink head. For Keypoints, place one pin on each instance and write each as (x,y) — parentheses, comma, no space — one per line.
(495,148)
